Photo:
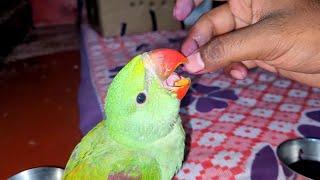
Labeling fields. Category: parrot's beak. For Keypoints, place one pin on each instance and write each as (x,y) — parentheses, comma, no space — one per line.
(164,62)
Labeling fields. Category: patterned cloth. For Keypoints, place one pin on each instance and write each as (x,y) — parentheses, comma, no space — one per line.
(233,126)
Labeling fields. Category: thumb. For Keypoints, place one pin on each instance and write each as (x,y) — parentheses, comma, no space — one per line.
(255,42)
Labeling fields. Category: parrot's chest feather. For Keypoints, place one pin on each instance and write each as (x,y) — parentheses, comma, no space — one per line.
(169,151)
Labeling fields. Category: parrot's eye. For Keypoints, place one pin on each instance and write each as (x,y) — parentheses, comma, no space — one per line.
(141,98)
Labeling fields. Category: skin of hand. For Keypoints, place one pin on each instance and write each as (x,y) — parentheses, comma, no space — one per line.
(280,36)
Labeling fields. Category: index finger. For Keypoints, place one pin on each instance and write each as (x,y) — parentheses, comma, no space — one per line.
(216,22)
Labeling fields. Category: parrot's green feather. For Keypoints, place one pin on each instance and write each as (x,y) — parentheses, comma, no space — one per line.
(142,141)
(107,158)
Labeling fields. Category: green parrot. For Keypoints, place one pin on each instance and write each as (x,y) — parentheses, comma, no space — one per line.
(142,136)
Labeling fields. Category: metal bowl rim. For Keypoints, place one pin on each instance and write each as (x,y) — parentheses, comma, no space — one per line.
(293,140)
(36,168)
(296,140)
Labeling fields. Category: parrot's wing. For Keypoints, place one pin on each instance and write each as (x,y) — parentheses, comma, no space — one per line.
(108,160)
(136,167)
(129,166)
(85,148)
(80,161)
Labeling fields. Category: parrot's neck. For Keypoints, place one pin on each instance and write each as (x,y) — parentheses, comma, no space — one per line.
(120,135)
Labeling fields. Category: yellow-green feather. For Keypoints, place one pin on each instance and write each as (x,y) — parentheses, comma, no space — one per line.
(98,156)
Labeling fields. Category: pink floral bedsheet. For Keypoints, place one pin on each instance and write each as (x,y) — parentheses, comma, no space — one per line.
(233,126)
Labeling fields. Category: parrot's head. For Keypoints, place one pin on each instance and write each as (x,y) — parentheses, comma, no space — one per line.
(142,103)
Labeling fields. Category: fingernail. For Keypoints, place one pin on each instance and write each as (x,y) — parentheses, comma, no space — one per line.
(189,47)
(175,12)
(194,63)
(236,74)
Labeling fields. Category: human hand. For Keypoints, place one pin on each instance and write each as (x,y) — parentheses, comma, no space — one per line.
(279,36)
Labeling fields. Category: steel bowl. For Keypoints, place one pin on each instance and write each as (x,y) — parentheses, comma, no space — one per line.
(300,158)
(40,173)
